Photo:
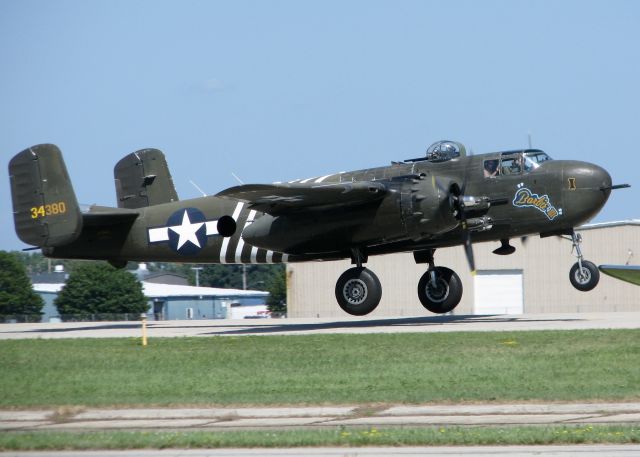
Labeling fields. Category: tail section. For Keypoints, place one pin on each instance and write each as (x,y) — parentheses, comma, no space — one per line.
(143,179)
(45,209)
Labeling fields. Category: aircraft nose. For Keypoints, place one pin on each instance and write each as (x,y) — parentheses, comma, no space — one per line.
(587,189)
(588,176)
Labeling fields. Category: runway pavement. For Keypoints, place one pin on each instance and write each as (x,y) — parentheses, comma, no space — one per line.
(452,323)
(271,418)
(506,451)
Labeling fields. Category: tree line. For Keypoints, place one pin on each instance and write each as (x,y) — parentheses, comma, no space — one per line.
(95,287)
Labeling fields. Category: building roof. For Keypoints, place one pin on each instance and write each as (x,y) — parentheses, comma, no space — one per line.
(609,224)
(153,290)
(170,290)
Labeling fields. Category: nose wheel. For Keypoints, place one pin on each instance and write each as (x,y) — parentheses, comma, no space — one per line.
(584,275)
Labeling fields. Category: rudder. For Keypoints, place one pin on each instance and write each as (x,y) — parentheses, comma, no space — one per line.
(143,179)
(45,209)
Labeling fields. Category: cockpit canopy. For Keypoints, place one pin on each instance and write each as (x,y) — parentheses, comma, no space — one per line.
(533,158)
(445,150)
(513,162)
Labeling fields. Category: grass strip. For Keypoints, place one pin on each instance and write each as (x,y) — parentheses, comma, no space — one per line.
(441,436)
(323,369)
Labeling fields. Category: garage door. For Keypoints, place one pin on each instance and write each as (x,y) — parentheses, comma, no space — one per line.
(498,292)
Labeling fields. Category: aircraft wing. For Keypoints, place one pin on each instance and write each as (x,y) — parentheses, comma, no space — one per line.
(629,273)
(275,199)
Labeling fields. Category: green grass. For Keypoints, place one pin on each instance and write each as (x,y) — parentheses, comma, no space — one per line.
(323,369)
(450,436)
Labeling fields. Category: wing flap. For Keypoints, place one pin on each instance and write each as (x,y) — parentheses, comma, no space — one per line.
(278,198)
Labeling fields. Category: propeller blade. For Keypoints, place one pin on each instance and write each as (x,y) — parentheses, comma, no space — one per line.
(468,250)
(436,183)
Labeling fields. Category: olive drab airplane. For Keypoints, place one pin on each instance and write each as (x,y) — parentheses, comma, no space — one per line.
(445,198)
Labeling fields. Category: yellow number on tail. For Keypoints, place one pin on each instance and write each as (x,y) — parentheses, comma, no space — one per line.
(48,210)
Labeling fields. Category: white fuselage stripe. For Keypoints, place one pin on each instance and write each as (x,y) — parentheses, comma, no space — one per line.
(323,178)
(225,242)
(252,215)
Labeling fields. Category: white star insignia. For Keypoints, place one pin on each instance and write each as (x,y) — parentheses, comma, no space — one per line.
(187,231)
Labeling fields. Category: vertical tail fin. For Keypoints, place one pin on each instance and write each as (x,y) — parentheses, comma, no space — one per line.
(45,209)
(143,179)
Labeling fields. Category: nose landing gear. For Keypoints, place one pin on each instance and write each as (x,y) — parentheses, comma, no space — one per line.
(584,275)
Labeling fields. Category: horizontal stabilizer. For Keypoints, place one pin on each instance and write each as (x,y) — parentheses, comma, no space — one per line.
(105,216)
(277,198)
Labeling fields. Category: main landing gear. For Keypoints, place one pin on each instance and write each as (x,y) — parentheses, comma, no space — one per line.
(584,275)
(358,290)
(440,288)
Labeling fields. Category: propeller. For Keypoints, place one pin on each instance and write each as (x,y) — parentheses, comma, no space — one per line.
(466,233)
(456,203)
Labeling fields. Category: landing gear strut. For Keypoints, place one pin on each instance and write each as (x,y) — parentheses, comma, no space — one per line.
(440,288)
(584,275)
(358,290)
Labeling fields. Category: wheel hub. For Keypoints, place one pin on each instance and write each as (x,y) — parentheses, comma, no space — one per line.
(583,275)
(355,291)
(437,292)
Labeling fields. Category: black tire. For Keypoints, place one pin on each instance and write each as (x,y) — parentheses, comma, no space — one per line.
(586,279)
(358,291)
(445,296)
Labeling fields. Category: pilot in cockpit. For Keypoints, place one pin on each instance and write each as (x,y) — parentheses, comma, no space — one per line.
(491,168)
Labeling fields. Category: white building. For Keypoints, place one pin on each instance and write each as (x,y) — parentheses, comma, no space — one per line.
(170,301)
(535,279)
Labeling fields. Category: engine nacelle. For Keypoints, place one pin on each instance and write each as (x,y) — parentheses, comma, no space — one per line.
(427,207)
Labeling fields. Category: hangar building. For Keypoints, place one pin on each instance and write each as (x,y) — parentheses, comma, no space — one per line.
(535,279)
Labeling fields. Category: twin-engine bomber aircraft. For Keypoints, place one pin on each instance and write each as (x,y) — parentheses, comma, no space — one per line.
(443,199)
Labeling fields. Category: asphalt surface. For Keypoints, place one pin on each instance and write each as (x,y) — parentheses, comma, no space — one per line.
(507,451)
(270,418)
(453,323)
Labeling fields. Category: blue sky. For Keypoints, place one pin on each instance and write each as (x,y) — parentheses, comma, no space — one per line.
(279,90)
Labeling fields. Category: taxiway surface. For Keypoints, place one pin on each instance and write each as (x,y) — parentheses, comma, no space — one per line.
(592,450)
(453,323)
(316,417)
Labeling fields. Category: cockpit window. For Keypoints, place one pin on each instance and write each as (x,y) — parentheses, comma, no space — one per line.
(443,150)
(511,165)
(532,160)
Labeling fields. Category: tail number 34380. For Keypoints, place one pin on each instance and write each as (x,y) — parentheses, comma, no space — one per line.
(48,210)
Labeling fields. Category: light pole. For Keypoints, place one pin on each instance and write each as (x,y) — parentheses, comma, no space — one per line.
(197,270)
